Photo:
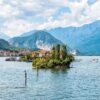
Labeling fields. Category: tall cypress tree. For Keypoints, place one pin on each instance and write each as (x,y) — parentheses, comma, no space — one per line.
(57,53)
(53,53)
(63,52)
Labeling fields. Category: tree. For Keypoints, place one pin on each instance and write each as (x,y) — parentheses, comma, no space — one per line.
(29,56)
(63,52)
(53,53)
(57,53)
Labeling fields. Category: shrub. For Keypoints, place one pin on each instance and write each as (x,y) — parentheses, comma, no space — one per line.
(50,63)
(39,63)
(70,57)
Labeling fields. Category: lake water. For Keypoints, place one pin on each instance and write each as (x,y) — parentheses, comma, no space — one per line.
(81,82)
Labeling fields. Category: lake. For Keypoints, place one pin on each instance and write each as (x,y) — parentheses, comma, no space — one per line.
(80,82)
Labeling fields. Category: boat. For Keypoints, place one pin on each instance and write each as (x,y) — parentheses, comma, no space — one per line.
(11,59)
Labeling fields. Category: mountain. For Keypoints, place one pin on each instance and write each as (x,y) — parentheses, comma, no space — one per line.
(84,39)
(4,45)
(28,33)
(38,40)
(4,36)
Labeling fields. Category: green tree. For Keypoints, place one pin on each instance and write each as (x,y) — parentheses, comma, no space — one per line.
(53,53)
(57,52)
(63,52)
(29,56)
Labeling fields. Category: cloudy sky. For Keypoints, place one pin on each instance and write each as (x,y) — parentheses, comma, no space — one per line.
(18,16)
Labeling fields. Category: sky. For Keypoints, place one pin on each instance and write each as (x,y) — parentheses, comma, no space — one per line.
(19,16)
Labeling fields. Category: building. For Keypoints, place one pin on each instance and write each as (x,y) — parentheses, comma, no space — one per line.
(40,53)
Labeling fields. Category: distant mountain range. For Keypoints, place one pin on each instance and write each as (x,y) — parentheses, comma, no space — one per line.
(84,39)
(4,36)
(38,40)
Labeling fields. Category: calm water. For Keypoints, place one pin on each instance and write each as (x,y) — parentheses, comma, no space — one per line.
(81,82)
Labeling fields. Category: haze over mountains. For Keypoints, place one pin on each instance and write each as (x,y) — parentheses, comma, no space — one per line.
(85,39)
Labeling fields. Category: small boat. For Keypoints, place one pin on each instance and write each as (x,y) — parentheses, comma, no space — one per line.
(11,59)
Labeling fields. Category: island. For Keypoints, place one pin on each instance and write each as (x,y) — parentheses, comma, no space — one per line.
(57,57)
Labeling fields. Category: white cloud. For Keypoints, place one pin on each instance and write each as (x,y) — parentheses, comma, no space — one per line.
(7,11)
(16,27)
(23,15)
(94,11)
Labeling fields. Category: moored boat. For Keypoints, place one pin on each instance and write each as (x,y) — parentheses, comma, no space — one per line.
(11,59)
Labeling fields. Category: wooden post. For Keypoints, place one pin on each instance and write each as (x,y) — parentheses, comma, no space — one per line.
(25,78)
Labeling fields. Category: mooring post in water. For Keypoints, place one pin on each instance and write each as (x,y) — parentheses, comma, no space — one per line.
(25,78)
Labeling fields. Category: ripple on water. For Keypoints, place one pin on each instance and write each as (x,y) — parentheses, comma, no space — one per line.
(81,82)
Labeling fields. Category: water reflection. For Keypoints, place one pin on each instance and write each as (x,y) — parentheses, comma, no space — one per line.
(54,71)
(62,70)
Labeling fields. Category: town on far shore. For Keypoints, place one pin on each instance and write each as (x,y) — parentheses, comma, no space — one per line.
(18,53)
